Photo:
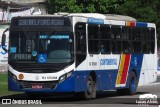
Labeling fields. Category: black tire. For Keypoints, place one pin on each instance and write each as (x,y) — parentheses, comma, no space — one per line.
(132,86)
(90,93)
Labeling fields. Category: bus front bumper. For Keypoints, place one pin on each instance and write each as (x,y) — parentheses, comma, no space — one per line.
(77,82)
(54,86)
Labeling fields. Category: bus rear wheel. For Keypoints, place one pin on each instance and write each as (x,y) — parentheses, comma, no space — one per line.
(132,86)
(90,92)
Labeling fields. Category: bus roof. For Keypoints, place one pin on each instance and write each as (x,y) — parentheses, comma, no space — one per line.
(104,16)
(87,15)
(129,21)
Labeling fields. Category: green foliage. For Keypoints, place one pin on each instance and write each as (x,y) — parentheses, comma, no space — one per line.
(63,6)
(85,6)
(142,10)
(99,6)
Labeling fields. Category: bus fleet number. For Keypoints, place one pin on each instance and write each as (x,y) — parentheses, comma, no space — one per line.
(92,63)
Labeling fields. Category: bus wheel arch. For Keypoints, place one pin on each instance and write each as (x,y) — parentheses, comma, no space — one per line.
(132,85)
(90,92)
(93,75)
(133,70)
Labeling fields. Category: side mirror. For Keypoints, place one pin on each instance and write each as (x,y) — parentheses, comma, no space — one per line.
(4,40)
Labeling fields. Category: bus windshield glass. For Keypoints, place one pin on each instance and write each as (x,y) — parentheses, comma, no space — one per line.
(41,47)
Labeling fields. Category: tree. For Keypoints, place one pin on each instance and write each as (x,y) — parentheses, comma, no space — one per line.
(85,6)
(54,6)
(142,10)
(99,6)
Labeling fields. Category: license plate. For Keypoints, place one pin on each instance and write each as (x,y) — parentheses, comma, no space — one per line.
(37,86)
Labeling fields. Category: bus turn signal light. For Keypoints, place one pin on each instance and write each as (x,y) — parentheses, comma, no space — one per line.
(21,76)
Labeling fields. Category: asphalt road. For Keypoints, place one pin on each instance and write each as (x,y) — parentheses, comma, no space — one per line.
(106,98)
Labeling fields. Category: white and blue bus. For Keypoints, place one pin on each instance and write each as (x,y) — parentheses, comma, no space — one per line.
(80,53)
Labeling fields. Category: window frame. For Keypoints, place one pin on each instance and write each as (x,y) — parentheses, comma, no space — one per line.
(117,40)
(93,39)
(106,40)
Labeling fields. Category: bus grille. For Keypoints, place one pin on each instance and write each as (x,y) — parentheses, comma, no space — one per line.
(45,85)
(36,68)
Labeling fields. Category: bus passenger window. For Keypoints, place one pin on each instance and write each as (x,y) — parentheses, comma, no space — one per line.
(105,34)
(126,40)
(93,39)
(145,40)
(102,50)
(116,39)
(136,46)
(126,47)
(152,40)
(136,32)
(136,40)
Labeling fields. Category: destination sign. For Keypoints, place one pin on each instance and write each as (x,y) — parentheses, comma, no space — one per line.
(54,37)
(44,22)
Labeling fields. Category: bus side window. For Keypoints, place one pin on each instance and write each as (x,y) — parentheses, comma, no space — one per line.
(126,37)
(152,34)
(116,39)
(93,39)
(80,34)
(105,34)
(145,40)
(136,40)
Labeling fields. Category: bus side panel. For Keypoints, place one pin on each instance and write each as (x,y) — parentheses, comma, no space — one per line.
(81,78)
(148,72)
(111,79)
(67,85)
(102,79)
(105,80)
(135,65)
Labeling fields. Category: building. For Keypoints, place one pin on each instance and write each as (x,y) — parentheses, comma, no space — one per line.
(20,5)
(11,8)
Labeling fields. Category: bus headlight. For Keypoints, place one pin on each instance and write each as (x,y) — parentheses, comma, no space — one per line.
(69,74)
(14,78)
(62,78)
(65,76)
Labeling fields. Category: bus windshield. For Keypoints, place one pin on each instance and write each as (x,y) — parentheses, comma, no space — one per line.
(41,46)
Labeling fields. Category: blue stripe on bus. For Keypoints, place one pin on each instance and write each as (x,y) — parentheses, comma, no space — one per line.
(141,24)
